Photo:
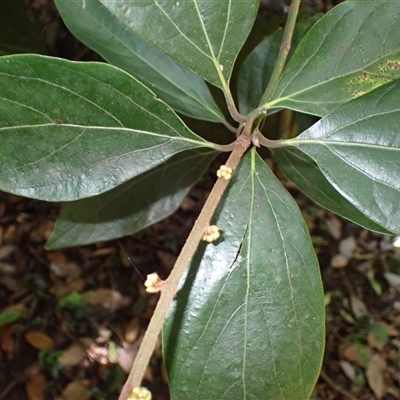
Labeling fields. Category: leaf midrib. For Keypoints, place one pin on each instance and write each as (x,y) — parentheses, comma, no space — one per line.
(211,56)
(291,97)
(329,143)
(145,61)
(87,75)
(117,129)
(283,241)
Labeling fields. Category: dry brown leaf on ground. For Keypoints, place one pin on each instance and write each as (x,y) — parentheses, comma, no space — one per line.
(6,251)
(348,369)
(334,226)
(393,279)
(126,358)
(132,331)
(127,354)
(376,375)
(339,261)
(62,289)
(72,356)
(77,390)
(349,353)
(104,335)
(358,307)
(62,268)
(35,387)
(10,283)
(39,340)
(110,299)
(7,340)
(347,247)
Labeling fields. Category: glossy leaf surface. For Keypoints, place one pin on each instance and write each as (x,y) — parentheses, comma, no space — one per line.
(357,148)
(248,322)
(256,70)
(132,206)
(108,35)
(304,172)
(73,130)
(352,50)
(204,36)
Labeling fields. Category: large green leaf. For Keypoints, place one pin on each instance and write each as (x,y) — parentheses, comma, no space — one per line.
(352,50)
(73,130)
(256,70)
(357,148)
(204,36)
(248,322)
(132,206)
(103,31)
(303,171)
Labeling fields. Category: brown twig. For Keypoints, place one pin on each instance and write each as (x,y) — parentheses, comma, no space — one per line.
(7,390)
(336,387)
(170,285)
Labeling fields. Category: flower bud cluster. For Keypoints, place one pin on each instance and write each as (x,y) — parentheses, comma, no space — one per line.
(224,172)
(211,234)
(152,283)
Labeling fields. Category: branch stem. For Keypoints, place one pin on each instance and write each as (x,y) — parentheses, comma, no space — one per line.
(224,147)
(259,139)
(235,114)
(170,286)
(283,53)
(230,127)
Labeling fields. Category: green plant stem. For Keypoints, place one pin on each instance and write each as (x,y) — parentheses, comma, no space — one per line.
(259,139)
(235,114)
(230,127)
(283,53)
(170,286)
(224,147)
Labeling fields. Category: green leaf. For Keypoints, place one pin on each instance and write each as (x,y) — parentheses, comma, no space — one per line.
(74,130)
(256,70)
(357,148)
(352,50)
(108,35)
(10,316)
(248,322)
(304,172)
(131,206)
(204,36)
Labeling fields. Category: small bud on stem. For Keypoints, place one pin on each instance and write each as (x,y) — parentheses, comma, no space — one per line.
(153,283)
(211,234)
(224,172)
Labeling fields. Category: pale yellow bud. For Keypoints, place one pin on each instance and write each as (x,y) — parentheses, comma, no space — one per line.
(153,283)
(211,234)
(224,172)
(140,393)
